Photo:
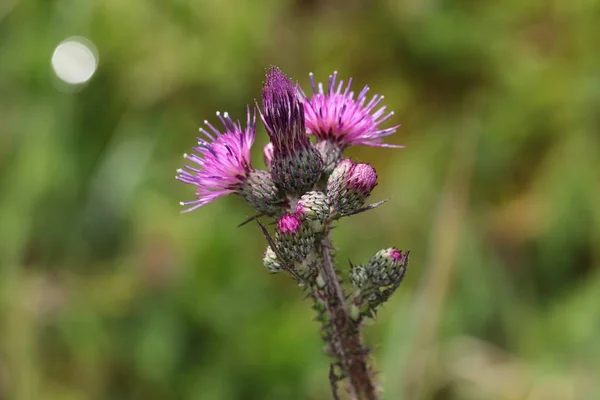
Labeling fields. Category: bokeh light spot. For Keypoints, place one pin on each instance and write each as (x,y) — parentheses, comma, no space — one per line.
(75,60)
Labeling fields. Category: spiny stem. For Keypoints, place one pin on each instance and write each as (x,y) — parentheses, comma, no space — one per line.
(345,340)
(333,380)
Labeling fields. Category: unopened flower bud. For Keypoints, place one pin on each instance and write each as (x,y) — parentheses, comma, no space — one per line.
(294,239)
(313,206)
(349,185)
(261,193)
(338,175)
(387,267)
(359,276)
(271,261)
(268,155)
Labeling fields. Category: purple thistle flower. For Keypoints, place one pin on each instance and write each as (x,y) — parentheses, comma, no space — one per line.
(295,165)
(283,114)
(221,160)
(222,166)
(334,115)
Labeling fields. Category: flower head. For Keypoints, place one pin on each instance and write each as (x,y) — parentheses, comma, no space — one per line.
(349,185)
(221,162)
(295,164)
(334,115)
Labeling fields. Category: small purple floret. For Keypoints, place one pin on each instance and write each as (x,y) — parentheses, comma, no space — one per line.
(289,224)
(221,162)
(268,154)
(362,178)
(396,255)
(334,115)
(300,209)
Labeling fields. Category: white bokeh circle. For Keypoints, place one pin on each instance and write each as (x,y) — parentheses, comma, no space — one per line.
(75,60)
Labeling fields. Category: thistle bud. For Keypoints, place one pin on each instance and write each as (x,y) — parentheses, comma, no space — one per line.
(349,185)
(268,155)
(387,267)
(359,276)
(262,194)
(271,261)
(295,240)
(313,206)
(377,280)
(338,175)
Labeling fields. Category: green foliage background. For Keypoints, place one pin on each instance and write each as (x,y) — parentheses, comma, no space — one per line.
(107,292)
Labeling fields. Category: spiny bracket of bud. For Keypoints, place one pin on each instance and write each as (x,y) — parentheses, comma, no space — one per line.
(349,185)
(377,280)
(362,210)
(294,239)
(271,261)
(359,276)
(297,172)
(262,194)
(252,218)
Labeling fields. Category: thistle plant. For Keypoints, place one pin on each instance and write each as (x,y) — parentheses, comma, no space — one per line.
(308,187)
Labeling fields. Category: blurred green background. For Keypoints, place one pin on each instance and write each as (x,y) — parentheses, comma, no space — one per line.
(107,292)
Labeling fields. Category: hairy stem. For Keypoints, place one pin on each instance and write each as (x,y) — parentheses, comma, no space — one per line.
(342,332)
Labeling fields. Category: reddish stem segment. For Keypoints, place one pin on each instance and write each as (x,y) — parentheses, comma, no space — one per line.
(345,341)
